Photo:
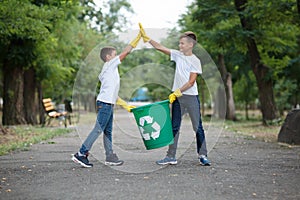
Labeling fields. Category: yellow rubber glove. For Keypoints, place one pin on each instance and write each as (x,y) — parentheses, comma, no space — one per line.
(142,31)
(136,40)
(123,103)
(174,95)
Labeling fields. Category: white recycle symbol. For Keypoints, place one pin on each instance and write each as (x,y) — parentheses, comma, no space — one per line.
(149,131)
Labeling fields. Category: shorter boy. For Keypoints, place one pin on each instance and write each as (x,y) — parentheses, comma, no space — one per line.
(107,97)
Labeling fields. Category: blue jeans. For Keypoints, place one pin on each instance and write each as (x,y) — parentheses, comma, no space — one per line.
(103,124)
(191,105)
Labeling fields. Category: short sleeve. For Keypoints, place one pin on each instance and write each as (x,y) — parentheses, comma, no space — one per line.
(174,55)
(196,66)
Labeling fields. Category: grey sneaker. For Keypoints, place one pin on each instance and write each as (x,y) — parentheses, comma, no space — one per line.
(113,160)
(166,161)
(204,161)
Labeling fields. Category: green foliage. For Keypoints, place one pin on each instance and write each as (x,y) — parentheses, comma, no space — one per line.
(275,39)
(72,41)
(115,19)
(245,89)
(111,17)
(24,25)
(218,28)
(284,89)
(54,37)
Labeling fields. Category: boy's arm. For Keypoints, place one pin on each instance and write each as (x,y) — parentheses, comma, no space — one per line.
(160,47)
(123,103)
(125,52)
(132,45)
(190,83)
(178,93)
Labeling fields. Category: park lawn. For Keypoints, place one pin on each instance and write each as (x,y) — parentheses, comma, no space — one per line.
(254,129)
(22,137)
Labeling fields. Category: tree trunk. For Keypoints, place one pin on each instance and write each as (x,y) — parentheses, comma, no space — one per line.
(30,97)
(219,109)
(261,71)
(246,111)
(84,100)
(40,104)
(13,102)
(226,76)
(266,96)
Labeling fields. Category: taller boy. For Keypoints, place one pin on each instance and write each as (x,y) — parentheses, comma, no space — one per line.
(185,93)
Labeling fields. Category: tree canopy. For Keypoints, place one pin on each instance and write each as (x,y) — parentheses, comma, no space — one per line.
(252,36)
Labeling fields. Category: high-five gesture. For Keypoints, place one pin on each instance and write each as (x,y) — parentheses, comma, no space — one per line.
(144,36)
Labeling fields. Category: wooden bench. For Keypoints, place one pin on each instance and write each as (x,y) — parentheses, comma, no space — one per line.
(52,113)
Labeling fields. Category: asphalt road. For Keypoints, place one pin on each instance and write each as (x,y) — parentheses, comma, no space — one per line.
(241,169)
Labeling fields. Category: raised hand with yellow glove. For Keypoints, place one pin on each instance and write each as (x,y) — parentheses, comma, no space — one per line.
(123,103)
(142,31)
(136,40)
(172,97)
(129,47)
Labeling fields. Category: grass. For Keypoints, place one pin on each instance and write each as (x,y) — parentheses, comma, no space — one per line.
(254,129)
(22,137)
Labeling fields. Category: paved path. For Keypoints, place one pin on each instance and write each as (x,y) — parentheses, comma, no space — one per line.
(241,169)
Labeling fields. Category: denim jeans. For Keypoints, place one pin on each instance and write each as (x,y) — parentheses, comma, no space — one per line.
(103,124)
(191,105)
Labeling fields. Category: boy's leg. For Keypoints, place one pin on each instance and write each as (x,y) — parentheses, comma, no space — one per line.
(177,112)
(107,137)
(111,157)
(104,114)
(176,123)
(195,115)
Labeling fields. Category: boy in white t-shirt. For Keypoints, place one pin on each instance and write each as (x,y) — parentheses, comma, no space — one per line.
(107,97)
(185,93)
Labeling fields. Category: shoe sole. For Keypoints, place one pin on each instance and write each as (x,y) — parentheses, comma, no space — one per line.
(207,164)
(75,160)
(168,163)
(113,164)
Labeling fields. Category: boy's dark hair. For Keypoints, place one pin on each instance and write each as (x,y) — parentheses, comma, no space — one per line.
(106,51)
(190,36)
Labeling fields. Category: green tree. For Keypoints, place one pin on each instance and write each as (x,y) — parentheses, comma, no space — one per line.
(42,45)
(248,28)
(266,39)
(23,26)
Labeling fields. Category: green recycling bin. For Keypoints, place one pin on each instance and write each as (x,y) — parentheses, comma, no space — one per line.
(154,123)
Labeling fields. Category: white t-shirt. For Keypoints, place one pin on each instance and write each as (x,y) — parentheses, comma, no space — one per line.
(110,81)
(184,66)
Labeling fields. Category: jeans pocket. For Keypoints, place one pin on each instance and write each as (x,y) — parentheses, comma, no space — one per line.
(99,107)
